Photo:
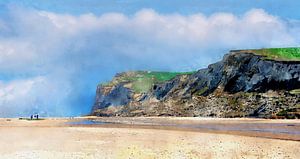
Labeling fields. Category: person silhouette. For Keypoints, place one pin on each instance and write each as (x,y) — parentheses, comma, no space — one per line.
(37,116)
(31,117)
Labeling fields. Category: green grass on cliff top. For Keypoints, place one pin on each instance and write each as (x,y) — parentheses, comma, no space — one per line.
(279,54)
(295,91)
(142,81)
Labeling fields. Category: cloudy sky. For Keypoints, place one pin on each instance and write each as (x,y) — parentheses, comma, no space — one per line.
(53,53)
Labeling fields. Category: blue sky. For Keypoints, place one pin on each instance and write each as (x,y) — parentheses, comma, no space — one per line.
(283,8)
(54,53)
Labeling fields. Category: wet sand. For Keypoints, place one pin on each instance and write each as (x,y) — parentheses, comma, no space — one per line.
(143,138)
(265,128)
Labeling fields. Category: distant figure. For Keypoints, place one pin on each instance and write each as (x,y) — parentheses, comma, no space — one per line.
(37,116)
(31,117)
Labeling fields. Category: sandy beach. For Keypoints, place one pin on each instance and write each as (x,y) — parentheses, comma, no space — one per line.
(132,138)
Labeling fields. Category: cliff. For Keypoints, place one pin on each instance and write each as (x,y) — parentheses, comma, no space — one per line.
(246,83)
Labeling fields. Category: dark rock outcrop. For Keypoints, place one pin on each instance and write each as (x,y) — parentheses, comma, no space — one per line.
(242,84)
(117,96)
(237,72)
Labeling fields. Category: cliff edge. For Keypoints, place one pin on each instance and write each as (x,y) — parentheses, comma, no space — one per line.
(246,83)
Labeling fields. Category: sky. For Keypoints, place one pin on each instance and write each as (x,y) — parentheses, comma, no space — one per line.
(54,53)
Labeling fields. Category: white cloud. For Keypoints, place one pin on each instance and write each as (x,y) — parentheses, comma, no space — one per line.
(41,34)
(73,53)
(14,93)
(38,94)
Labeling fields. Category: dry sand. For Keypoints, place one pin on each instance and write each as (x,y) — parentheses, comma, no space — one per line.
(53,139)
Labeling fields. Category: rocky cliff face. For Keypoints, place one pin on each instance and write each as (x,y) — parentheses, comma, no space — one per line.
(242,84)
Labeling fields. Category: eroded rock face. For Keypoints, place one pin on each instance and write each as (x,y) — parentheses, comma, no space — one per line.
(236,73)
(116,96)
(251,73)
(237,86)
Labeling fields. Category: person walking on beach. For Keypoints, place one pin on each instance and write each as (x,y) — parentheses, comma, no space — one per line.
(31,117)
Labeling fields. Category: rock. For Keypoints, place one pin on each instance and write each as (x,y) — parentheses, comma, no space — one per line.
(243,84)
(237,72)
(117,96)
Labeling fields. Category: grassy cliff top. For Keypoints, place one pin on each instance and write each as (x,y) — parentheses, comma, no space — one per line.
(279,54)
(142,81)
(295,91)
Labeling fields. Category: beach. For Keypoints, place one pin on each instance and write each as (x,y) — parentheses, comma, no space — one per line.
(144,138)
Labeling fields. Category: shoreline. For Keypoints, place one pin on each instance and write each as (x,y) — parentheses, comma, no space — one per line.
(229,126)
(55,138)
(215,125)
